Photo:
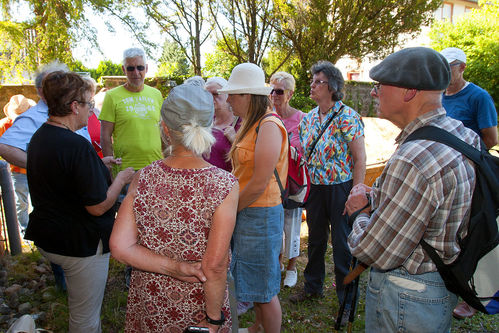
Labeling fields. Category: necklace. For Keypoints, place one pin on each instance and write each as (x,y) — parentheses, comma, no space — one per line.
(58,122)
(184,155)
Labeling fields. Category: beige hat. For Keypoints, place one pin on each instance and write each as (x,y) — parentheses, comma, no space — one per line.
(17,105)
(246,78)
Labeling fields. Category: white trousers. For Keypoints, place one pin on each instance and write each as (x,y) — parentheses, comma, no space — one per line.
(86,280)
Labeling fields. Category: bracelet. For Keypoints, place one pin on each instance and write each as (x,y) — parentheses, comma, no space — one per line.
(217,322)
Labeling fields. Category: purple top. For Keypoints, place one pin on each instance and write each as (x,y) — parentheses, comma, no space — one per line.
(219,150)
(291,125)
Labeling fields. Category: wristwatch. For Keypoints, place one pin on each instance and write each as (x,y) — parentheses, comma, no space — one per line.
(216,322)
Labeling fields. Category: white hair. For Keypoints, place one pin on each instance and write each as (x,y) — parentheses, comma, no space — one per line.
(132,53)
(42,71)
(195,81)
(193,137)
(217,80)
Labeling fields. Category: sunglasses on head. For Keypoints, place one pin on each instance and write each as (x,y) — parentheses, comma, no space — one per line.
(140,68)
(277,91)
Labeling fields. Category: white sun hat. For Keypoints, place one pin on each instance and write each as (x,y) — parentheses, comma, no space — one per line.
(246,78)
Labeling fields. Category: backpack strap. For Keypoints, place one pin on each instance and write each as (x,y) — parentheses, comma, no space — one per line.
(323,129)
(276,174)
(440,135)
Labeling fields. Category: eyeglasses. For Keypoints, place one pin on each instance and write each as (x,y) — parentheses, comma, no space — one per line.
(317,82)
(277,92)
(91,104)
(140,68)
(376,87)
(455,64)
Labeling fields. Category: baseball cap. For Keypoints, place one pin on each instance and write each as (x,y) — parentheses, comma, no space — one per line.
(453,54)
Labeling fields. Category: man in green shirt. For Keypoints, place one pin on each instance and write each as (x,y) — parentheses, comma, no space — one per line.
(130,116)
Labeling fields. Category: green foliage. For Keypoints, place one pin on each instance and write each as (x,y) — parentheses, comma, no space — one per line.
(105,68)
(477,34)
(221,62)
(329,29)
(173,61)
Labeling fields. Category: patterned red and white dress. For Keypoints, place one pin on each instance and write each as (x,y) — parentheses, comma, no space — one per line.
(173,211)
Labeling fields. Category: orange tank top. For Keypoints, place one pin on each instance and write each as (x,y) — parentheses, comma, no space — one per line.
(244,164)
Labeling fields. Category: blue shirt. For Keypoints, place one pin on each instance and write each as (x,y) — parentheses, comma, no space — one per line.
(473,106)
(27,123)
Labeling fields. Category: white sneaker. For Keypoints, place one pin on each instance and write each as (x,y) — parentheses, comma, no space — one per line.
(291,278)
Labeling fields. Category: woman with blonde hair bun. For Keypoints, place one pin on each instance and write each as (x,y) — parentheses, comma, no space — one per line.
(175,224)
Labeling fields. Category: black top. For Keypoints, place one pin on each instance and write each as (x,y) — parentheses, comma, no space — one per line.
(65,174)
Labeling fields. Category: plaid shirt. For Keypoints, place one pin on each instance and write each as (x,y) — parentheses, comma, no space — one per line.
(425,192)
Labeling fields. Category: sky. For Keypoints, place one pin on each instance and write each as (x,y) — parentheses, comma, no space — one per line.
(112,44)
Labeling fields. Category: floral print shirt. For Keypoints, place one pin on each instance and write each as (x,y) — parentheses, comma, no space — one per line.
(331,161)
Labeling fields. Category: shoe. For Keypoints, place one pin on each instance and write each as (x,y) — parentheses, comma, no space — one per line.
(291,278)
(463,311)
(304,296)
(243,307)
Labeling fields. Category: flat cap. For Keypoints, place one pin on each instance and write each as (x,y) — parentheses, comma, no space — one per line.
(418,68)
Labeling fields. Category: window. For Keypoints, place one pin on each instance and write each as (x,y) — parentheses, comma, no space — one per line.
(444,12)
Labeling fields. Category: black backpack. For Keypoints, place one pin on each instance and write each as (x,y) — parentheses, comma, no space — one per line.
(483,235)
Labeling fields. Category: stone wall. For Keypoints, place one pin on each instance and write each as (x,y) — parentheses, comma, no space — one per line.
(357,94)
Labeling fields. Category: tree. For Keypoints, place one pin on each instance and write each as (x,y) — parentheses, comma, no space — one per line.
(173,62)
(477,34)
(331,29)
(46,30)
(221,61)
(250,27)
(180,18)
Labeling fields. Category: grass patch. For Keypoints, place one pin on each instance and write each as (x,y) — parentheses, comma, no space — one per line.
(310,316)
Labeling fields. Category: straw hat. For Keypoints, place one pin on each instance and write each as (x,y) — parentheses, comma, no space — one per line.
(17,105)
(246,78)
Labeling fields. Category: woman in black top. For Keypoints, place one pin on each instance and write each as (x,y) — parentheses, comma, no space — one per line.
(73,197)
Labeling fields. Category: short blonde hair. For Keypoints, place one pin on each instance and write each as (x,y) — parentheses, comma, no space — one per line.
(287,79)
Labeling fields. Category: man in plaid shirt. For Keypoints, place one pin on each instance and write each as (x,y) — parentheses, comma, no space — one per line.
(424,192)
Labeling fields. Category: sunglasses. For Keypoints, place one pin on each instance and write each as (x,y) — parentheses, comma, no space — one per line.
(140,68)
(277,92)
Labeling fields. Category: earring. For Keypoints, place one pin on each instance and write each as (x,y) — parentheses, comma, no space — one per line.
(76,112)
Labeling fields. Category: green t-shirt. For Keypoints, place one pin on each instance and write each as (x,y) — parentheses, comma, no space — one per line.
(136,136)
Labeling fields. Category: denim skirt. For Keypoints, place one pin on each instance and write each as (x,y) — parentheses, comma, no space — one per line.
(257,241)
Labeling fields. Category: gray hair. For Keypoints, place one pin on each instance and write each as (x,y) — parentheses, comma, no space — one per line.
(193,137)
(91,80)
(43,70)
(335,79)
(132,53)
(287,79)
(195,81)
(217,80)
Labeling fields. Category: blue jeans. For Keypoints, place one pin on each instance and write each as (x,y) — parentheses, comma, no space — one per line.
(397,301)
(20,182)
(257,242)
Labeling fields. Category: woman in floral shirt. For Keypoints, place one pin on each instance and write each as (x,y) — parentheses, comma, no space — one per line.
(336,163)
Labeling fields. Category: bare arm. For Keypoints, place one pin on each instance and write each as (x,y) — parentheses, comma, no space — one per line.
(124,177)
(106,132)
(216,258)
(124,247)
(358,149)
(267,151)
(489,136)
(13,155)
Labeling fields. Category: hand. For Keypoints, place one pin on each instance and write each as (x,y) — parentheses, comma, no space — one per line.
(126,175)
(190,272)
(358,199)
(109,161)
(230,133)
